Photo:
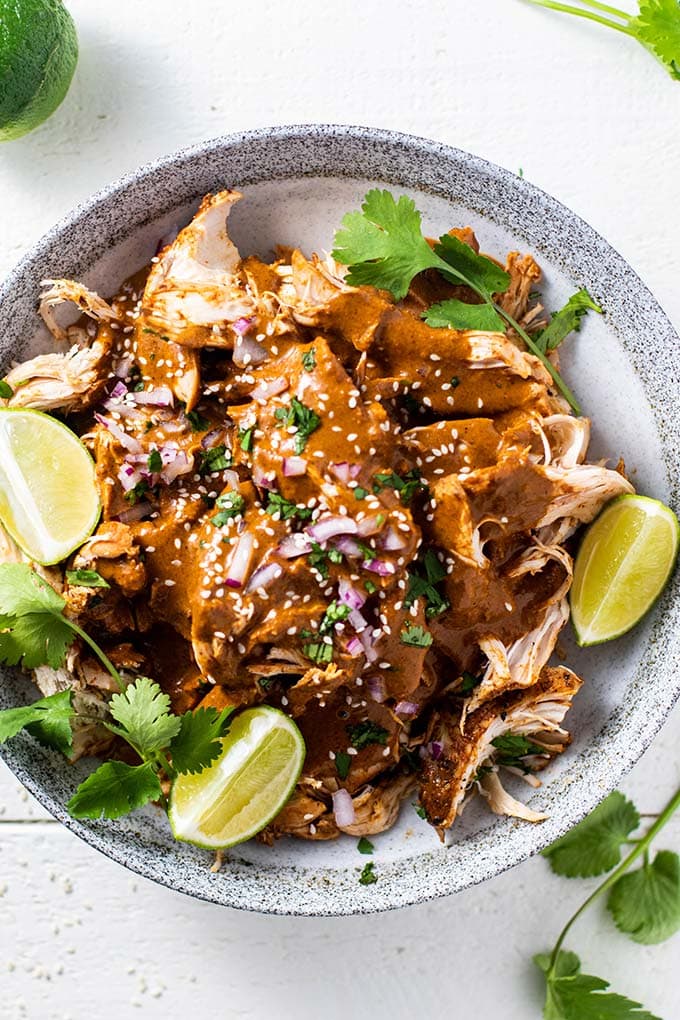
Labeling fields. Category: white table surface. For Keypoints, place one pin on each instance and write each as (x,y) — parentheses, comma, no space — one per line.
(589,117)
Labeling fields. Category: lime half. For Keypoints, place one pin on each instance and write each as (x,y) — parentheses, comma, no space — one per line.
(246,787)
(38,55)
(48,496)
(622,566)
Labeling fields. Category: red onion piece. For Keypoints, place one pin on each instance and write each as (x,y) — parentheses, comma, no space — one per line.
(381,567)
(212,438)
(294,545)
(264,390)
(293,467)
(122,408)
(264,576)
(351,596)
(377,688)
(357,621)
(232,480)
(240,561)
(129,442)
(128,476)
(118,391)
(406,708)
(393,540)
(135,513)
(354,647)
(175,463)
(122,369)
(343,808)
(247,351)
(348,546)
(161,396)
(436,749)
(261,479)
(242,325)
(370,525)
(344,471)
(329,527)
(368,641)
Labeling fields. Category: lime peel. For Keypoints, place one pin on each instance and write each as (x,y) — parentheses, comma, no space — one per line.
(625,560)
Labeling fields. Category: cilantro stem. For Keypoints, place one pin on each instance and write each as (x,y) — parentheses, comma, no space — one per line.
(640,849)
(553,5)
(101,655)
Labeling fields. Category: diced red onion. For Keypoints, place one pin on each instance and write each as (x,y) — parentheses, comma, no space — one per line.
(354,647)
(357,620)
(343,808)
(118,391)
(294,466)
(128,476)
(122,369)
(129,442)
(329,527)
(242,325)
(232,479)
(248,351)
(381,567)
(264,576)
(122,408)
(351,596)
(344,471)
(210,438)
(261,479)
(240,561)
(377,688)
(393,540)
(135,513)
(294,545)
(368,641)
(161,396)
(264,390)
(348,546)
(370,525)
(175,463)
(406,708)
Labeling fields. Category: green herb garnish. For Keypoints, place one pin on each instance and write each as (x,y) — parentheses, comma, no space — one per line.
(154,462)
(230,505)
(197,421)
(364,733)
(425,586)
(215,459)
(6,390)
(302,417)
(138,492)
(319,651)
(364,846)
(567,320)
(245,438)
(406,486)
(309,360)
(285,508)
(512,748)
(342,764)
(368,875)
(416,636)
(360,493)
(468,683)
(86,579)
(336,613)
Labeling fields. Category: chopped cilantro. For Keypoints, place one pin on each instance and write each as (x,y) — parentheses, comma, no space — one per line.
(215,459)
(364,733)
(309,360)
(318,558)
(406,486)
(138,492)
(468,683)
(302,417)
(416,636)
(513,748)
(425,586)
(245,438)
(154,462)
(319,652)
(455,381)
(86,579)
(368,875)
(342,764)
(197,421)
(285,508)
(360,493)
(230,505)
(336,612)
(370,587)
(364,846)
(6,390)
(420,811)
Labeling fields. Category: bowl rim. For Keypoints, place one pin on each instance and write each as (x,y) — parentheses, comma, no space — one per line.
(402,884)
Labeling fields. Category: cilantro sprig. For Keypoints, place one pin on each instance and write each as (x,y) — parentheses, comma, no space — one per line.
(383,245)
(644,903)
(35,632)
(656,26)
(302,418)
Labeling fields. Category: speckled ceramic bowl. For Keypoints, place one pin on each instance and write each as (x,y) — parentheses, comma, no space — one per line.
(625,368)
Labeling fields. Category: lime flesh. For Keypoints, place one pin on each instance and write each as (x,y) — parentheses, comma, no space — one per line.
(38,55)
(625,559)
(240,793)
(48,497)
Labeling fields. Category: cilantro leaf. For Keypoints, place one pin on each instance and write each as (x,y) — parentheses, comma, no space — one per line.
(143,712)
(513,747)
(594,845)
(48,720)
(468,683)
(302,417)
(33,630)
(571,995)
(406,486)
(86,579)
(383,245)
(6,391)
(368,875)
(485,275)
(309,359)
(566,320)
(645,903)
(416,636)
(215,459)
(230,505)
(197,421)
(245,438)
(364,846)
(455,314)
(114,790)
(197,743)
(320,652)
(364,733)
(424,587)
(285,508)
(154,462)
(342,764)
(336,613)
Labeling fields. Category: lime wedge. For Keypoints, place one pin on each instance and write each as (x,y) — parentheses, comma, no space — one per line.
(625,560)
(48,496)
(245,788)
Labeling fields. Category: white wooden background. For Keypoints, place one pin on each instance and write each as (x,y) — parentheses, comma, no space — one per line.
(589,117)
